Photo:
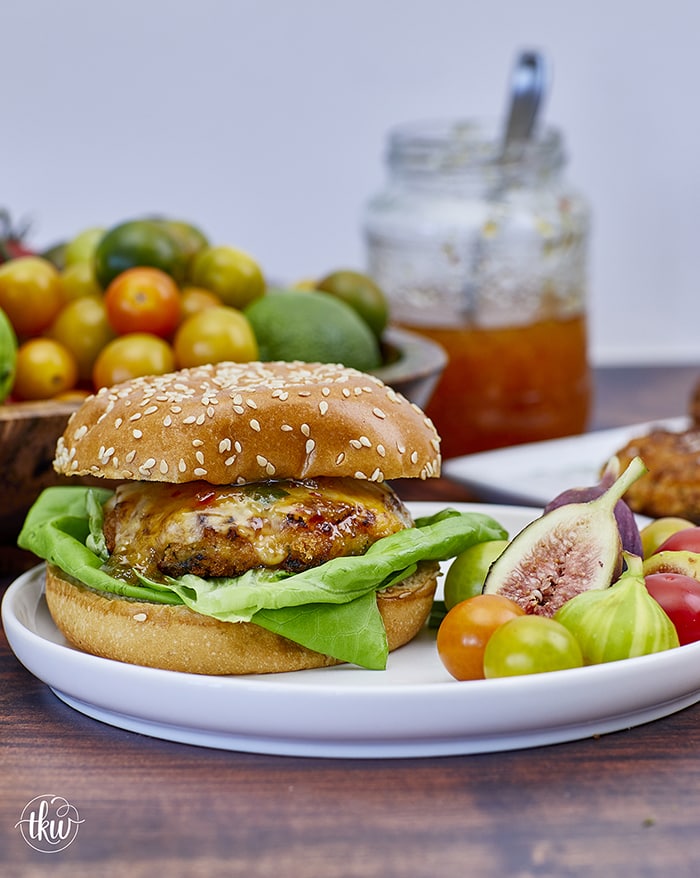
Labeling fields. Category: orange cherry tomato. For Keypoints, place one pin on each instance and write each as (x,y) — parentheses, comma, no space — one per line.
(467,628)
(44,369)
(131,356)
(143,300)
(195,299)
(213,336)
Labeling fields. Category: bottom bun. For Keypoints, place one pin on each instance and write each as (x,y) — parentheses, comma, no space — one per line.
(178,639)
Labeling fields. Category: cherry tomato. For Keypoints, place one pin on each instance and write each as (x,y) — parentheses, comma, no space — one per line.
(679,597)
(215,335)
(131,356)
(233,275)
(143,300)
(362,294)
(466,629)
(44,369)
(78,280)
(30,293)
(465,576)
(685,540)
(82,247)
(82,327)
(196,299)
(659,530)
(531,645)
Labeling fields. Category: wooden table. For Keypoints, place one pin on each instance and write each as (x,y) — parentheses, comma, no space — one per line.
(626,804)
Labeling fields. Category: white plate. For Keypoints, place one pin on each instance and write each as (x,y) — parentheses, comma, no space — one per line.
(414,708)
(535,473)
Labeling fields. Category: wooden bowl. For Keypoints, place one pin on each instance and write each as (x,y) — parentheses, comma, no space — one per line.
(29,431)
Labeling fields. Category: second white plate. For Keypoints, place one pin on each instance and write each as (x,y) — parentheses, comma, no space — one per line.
(535,473)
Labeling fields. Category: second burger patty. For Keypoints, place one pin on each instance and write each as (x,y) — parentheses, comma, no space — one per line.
(224,530)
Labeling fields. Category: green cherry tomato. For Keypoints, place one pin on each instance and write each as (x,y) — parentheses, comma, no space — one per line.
(465,576)
(233,275)
(530,645)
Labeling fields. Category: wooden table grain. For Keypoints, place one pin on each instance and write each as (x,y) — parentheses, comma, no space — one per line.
(624,804)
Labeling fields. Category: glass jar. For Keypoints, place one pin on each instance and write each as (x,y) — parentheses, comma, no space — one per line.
(486,253)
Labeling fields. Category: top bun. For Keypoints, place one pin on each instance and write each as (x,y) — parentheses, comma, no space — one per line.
(246,422)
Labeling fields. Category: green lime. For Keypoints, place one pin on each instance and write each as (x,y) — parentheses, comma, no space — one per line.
(8,355)
(138,243)
(362,294)
(465,576)
(314,327)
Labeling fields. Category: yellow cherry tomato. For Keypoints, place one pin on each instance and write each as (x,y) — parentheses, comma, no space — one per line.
(83,328)
(215,335)
(44,369)
(131,356)
(30,293)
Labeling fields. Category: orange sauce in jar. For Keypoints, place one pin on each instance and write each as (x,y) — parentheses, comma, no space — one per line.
(510,385)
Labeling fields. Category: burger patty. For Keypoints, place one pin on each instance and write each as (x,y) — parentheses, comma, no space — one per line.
(214,530)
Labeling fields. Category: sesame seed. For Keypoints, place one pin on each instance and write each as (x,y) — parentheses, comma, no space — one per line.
(255,425)
(140,617)
(381,450)
(197,443)
(237,446)
(310,445)
(304,393)
(130,457)
(355,443)
(286,428)
(238,409)
(224,445)
(136,416)
(167,421)
(414,457)
(118,423)
(182,466)
(200,420)
(198,471)
(377,412)
(325,391)
(305,429)
(137,434)
(323,407)
(262,461)
(163,466)
(359,475)
(189,420)
(365,441)
(251,403)
(400,448)
(340,458)
(199,456)
(229,460)
(346,393)
(151,410)
(176,409)
(150,463)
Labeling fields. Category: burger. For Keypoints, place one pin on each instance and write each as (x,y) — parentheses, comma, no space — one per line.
(247,524)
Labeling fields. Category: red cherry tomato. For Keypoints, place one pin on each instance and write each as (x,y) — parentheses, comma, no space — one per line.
(686,540)
(143,300)
(679,596)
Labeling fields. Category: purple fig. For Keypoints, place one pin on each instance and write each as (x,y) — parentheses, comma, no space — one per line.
(626,522)
(568,550)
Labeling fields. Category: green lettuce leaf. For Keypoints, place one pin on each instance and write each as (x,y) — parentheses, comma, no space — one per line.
(331,609)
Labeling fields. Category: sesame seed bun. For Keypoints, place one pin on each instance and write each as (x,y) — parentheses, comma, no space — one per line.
(245,422)
(175,638)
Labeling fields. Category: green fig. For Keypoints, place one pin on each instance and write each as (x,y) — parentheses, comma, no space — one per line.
(619,622)
(569,549)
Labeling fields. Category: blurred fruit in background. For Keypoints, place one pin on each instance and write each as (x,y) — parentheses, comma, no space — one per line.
(152,294)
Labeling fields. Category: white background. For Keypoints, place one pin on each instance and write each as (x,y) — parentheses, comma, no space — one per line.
(265,123)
